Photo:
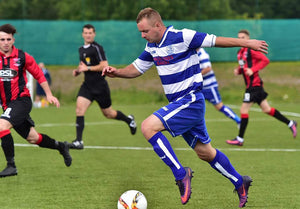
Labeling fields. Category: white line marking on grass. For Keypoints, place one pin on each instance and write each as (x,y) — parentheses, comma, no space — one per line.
(259,110)
(73,124)
(181,149)
(207,119)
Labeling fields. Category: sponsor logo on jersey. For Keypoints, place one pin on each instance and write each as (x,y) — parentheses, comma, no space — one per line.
(17,62)
(170,50)
(6,74)
(88,60)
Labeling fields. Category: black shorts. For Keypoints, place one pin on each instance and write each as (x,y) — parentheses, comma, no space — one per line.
(17,113)
(100,94)
(255,94)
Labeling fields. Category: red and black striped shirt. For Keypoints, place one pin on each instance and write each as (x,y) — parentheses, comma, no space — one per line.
(255,60)
(13,77)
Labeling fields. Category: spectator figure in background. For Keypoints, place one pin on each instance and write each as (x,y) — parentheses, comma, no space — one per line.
(174,53)
(95,87)
(250,63)
(40,95)
(16,101)
(210,87)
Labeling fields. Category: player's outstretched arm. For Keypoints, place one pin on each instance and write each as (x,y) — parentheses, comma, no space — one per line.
(128,72)
(254,44)
(50,98)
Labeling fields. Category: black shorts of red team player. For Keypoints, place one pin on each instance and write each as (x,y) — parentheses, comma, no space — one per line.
(17,113)
(100,95)
(255,94)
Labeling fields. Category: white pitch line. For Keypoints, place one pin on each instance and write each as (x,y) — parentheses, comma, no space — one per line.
(181,149)
(115,122)
(259,110)
(207,119)
(73,124)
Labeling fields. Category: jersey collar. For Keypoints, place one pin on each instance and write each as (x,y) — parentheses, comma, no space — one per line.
(165,35)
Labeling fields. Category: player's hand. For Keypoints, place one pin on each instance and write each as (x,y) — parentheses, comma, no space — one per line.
(258,45)
(76,73)
(109,71)
(236,71)
(248,71)
(53,100)
(82,67)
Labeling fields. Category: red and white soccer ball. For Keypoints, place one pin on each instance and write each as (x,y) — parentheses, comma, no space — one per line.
(132,199)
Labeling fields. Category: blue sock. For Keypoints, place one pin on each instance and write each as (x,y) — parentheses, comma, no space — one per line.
(230,114)
(164,150)
(222,164)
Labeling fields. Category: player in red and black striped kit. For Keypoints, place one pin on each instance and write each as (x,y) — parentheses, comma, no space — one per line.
(16,101)
(250,63)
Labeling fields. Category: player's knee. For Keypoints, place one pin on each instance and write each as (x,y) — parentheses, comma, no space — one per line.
(146,129)
(79,111)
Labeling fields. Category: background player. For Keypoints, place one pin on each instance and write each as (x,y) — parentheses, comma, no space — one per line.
(210,87)
(16,101)
(39,99)
(95,87)
(175,56)
(250,63)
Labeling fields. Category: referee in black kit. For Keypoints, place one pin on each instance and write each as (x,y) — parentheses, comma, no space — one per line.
(94,86)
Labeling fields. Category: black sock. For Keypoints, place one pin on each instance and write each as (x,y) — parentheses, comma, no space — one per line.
(50,143)
(121,116)
(79,127)
(280,117)
(243,126)
(7,144)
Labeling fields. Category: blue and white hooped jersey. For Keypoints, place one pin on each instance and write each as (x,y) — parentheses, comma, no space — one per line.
(176,60)
(209,79)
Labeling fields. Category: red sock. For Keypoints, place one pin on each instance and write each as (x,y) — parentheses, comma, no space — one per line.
(40,139)
(4,133)
(272,111)
(245,115)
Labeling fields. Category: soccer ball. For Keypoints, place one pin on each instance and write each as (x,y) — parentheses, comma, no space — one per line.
(132,199)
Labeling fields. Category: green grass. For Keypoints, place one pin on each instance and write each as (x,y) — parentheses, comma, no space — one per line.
(98,177)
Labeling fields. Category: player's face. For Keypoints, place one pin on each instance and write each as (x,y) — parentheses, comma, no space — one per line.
(88,34)
(6,42)
(149,32)
(243,36)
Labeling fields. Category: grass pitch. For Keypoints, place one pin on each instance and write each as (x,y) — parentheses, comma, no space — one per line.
(115,161)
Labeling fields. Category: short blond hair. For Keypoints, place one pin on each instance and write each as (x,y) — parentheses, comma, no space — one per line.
(245,32)
(151,14)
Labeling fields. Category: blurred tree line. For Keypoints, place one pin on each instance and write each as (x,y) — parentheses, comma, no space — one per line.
(128,9)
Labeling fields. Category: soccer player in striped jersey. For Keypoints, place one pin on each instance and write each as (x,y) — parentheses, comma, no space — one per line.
(250,63)
(210,87)
(174,53)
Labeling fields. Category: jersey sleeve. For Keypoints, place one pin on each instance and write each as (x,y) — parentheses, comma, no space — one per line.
(100,52)
(194,39)
(32,67)
(261,61)
(144,62)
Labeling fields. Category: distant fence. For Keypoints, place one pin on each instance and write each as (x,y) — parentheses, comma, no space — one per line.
(57,42)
